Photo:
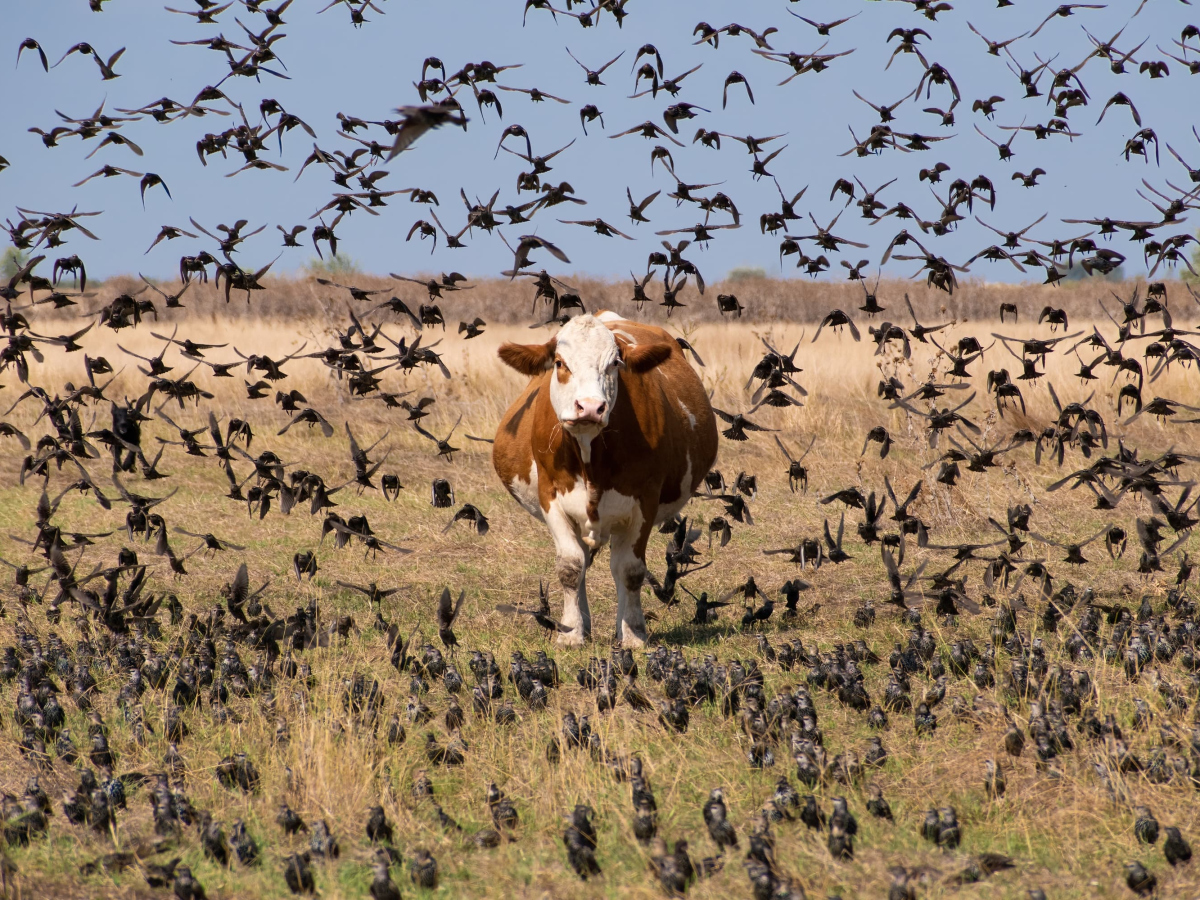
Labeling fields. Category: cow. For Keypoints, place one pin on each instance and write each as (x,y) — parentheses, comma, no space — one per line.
(612,435)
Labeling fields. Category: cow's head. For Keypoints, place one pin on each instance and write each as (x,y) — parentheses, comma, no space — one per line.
(586,359)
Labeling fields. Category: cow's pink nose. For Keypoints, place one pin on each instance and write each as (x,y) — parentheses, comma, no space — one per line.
(589,410)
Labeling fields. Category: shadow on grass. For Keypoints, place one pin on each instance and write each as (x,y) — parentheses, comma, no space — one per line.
(688,635)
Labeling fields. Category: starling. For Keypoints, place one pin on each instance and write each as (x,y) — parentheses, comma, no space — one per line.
(244,846)
(1014,740)
(187,887)
(842,816)
(877,718)
(719,828)
(298,874)
(321,841)
(876,754)
(1175,847)
(763,882)
(395,731)
(1145,827)
(1140,881)
(212,839)
(993,779)
(811,814)
(486,839)
(160,875)
(924,721)
(289,821)
(580,840)
(378,826)
(446,614)
(877,805)
(504,813)
(423,869)
(931,827)
(422,787)
(382,886)
(841,844)
(785,796)
(645,823)
(670,875)
(949,833)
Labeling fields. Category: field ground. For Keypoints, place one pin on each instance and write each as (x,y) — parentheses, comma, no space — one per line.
(1064,829)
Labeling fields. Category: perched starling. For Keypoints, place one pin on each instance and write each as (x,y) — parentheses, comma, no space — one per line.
(811,814)
(949,833)
(877,805)
(423,869)
(719,828)
(1175,847)
(841,844)
(378,826)
(1145,826)
(289,821)
(1140,881)
(645,823)
(244,846)
(993,779)
(580,840)
(382,886)
(321,842)
(298,874)
(187,887)
(931,827)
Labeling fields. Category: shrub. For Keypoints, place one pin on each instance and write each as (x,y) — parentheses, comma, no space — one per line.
(10,262)
(745,273)
(337,266)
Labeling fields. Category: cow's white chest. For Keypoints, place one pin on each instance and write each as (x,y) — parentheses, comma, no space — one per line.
(615,512)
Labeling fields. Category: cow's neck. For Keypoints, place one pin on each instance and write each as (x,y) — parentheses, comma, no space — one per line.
(582,451)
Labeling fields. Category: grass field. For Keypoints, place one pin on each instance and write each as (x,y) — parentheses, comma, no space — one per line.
(1066,830)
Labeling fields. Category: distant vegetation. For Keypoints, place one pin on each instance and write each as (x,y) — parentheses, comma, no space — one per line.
(11,262)
(1188,276)
(746,273)
(1079,273)
(337,266)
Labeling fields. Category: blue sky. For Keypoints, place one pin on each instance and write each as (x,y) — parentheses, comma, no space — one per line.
(369,71)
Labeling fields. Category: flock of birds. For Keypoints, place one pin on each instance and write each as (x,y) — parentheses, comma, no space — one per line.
(1036,667)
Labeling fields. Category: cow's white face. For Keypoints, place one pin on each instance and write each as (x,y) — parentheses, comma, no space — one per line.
(584,361)
(583,384)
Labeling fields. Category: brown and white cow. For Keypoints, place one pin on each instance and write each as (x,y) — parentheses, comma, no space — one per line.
(609,439)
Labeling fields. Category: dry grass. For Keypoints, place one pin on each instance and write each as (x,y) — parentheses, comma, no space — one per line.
(1065,832)
(766,300)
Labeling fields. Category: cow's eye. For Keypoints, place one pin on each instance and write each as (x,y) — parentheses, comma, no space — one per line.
(558,364)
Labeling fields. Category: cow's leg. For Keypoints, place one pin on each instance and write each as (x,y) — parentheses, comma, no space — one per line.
(570,566)
(628,563)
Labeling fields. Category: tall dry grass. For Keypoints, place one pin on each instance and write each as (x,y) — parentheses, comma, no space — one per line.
(765,299)
(1067,833)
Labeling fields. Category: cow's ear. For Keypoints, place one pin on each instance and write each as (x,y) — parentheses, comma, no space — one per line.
(529,359)
(641,358)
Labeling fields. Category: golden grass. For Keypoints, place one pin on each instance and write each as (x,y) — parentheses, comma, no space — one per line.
(501,301)
(1065,833)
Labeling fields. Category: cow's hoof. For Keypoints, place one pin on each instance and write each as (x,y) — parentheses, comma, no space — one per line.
(632,641)
(570,639)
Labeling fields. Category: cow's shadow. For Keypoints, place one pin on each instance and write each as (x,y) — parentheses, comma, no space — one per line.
(687,635)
